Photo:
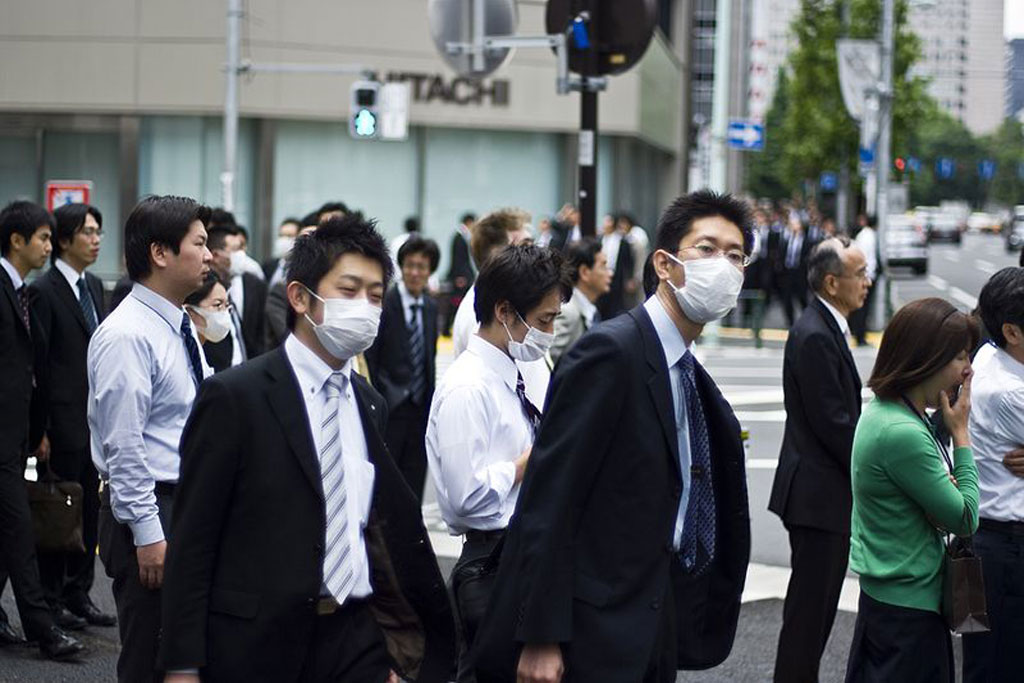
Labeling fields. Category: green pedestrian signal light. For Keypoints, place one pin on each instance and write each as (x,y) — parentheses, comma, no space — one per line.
(364,113)
(365,124)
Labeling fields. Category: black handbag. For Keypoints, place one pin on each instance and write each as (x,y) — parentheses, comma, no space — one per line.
(963,589)
(56,513)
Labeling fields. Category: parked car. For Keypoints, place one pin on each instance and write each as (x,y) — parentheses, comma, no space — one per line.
(1015,233)
(979,221)
(906,244)
(944,226)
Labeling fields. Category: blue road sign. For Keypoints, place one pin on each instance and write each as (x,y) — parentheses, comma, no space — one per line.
(866,156)
(945,168)
(746,135)
(913,164)
(828,181)
(986,169)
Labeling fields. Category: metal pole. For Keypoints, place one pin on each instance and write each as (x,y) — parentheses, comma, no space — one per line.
(720,97)
(227,177)
(882,159)
(588,160)
(843,198)
(479,31)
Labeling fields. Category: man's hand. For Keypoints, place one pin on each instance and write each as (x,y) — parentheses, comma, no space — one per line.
(540,664)
(521,463)
(1014,461)
(181,678)
(151,564)
(393,677)
(42,453)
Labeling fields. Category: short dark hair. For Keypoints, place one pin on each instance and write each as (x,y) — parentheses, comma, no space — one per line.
(1002,301)
(581,253)
(158,219)
(825,259)
(217,236)
(68,220)
(420,245)
(314,254)
(209,281)
(412,224)
(650,277)
(220,216)
(920,340)
(677,220)
(468,218)
(240,230)
(331,207)
(289,219)
(522,274)
(22,218)
(309,219)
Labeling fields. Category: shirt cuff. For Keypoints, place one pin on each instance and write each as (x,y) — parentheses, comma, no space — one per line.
(147,531)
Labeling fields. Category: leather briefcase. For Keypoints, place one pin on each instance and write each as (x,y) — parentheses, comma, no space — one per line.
(56,513)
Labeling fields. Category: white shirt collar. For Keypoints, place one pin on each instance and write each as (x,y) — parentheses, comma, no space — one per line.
(494,358)
(844,325)
(13,272)
(69,273)
(407,298)
(672,342)
(587,308)
(311,371)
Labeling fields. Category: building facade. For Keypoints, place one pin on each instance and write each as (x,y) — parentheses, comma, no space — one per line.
(1014,77)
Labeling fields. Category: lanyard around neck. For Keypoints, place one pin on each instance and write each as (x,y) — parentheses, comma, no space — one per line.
(928,425)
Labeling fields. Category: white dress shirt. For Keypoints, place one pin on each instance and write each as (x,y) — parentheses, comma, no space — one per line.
(585,305)
(844,324)
(15,276)
(996,428)
(675,347)
(610,244)
(867,242)
(408,300)
(536,374)
(73,277)
(312,374)
(475,432)
(141,389)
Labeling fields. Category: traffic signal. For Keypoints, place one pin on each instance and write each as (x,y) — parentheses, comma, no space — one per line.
(364,114)
(901,165)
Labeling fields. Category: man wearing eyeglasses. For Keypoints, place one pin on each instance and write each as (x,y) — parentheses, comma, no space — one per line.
(811,492)
(626,557)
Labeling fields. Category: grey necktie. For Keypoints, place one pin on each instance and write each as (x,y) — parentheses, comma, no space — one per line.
(339,575)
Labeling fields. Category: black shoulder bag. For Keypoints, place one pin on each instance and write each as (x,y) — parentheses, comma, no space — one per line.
(56,508)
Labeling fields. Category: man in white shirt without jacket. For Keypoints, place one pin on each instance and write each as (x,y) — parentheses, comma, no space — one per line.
(144,367)
(997,433)
(482,424)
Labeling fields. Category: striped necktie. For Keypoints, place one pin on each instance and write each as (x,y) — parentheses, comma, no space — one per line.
(339,575)
(87,304)
(417,355)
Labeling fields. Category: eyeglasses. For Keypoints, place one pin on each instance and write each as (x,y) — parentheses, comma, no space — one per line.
(734,256)
(92,232)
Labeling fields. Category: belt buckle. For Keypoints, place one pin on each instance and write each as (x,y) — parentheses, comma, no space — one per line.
(326,606)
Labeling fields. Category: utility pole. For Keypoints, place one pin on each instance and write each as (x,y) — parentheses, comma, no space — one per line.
(843,198)
(720,96)
(882,159)
(232,71)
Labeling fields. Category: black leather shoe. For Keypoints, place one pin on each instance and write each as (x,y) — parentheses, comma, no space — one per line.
(8,636)
(68,621)
(55,644)
(91,613)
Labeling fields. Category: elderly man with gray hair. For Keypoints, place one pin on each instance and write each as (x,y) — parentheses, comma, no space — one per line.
(811,492)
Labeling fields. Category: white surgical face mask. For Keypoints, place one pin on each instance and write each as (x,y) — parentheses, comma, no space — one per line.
(349,326)
(218,323)
(711,289)
(534,345)
(237,263)
(282,245)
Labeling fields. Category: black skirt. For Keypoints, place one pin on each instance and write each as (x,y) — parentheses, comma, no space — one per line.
(901,644)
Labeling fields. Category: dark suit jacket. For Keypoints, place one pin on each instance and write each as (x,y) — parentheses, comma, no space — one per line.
(614,301)
(122,289)
(389,361)
(16,359)
(270,267)
(823,403)
(61,350)
(218,354)
(461,261)
(761,273)
(588,559)
(244,566)
(253,314)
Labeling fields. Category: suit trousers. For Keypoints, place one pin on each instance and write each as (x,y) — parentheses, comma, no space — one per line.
(138,607)
(405,436)
(473,551)
(347,647)
(67,577)
(18,547)
(818,561)
(859,318)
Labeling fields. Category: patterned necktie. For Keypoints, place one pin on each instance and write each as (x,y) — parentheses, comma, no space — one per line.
(339,575)
(23,303)
(87,304)
(191,348)
(417,355)
(530,410)
(700,510)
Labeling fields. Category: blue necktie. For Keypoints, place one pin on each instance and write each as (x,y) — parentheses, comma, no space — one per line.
(529,410)
(417,355)
(699,527)
(88,307)
(191,348)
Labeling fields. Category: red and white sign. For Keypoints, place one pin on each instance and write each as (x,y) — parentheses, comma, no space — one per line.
(61,192)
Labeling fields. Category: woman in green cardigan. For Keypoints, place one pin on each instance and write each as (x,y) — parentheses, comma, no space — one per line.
(908,492)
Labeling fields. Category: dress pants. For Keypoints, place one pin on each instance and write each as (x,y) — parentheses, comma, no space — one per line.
(67,577)
(474,550)
(138,607)
(894,644)
(995,657)
(792,291)
(404,435)
(818,561)
(18,547)
(347,647)
(859,318)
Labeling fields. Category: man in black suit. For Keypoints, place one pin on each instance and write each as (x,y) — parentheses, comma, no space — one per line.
(68,306)
(796,246)
(616,247)
(811,492)
(627,553)
(460,269)
(402,359)
(248,294)
(760,274)
(298,552)
(25,230)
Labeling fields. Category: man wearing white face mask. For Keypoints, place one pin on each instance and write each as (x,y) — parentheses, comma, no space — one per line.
(290,503)
(482,423)
(626,557)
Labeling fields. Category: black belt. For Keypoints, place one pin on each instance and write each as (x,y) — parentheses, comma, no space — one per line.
(477,536)
(161,488)
(1007,528)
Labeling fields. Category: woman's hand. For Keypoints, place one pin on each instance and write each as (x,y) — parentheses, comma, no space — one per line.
(957,415)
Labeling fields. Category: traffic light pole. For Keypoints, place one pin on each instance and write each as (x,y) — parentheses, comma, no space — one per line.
(883,159)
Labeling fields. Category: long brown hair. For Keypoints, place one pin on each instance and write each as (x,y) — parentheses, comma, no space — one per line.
(920,340)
